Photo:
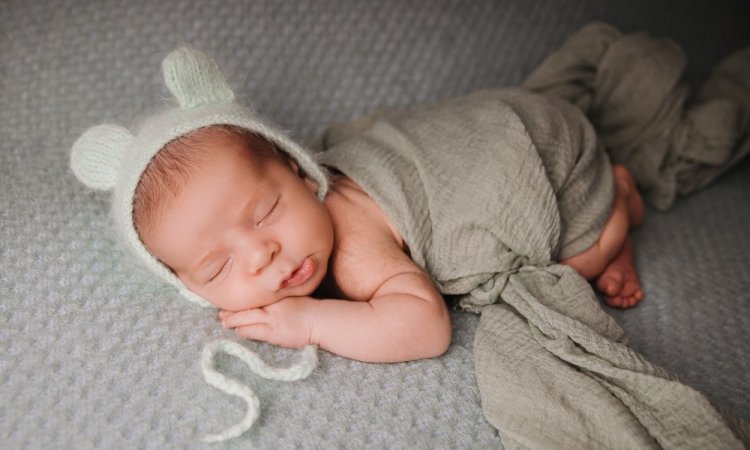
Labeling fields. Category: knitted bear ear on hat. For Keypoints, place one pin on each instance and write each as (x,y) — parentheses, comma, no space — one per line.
(96,156)
(195,79)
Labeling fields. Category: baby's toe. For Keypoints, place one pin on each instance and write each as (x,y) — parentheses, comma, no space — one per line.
(608,285)
(634,299)
(630,288)
(615,301)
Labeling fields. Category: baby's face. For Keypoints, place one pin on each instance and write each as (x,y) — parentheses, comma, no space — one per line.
(243,233)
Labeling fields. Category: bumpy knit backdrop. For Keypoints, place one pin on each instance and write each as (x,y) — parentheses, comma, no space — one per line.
(94,353)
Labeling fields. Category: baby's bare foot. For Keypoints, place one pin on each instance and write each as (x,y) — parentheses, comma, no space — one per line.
(619,281)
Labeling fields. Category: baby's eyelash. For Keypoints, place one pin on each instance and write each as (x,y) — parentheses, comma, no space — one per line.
(268,214)
(218,272)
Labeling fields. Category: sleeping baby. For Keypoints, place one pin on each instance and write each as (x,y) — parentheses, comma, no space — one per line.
(287,268)
(293,260)
(354,246)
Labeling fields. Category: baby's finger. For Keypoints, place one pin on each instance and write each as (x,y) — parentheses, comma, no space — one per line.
(258,332)
(247,317)
(223,314)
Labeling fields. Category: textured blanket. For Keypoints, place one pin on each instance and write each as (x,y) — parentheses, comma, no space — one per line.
(532,185)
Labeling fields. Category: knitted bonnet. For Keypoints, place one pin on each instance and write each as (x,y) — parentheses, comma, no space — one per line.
(109,157)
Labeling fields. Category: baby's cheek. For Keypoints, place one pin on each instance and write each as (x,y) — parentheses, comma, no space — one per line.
(250,298)
(221,298)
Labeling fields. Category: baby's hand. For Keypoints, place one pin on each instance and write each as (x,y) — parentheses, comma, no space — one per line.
(287,322)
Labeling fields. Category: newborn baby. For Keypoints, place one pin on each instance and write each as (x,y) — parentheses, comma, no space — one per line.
(223,205)
(289,269)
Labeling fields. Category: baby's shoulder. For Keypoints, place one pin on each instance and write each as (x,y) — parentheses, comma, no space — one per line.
(368,249)
(355,215)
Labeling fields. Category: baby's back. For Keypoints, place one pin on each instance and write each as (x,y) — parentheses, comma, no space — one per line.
(482,183)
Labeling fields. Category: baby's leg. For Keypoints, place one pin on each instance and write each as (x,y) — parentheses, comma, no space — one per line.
(610,259)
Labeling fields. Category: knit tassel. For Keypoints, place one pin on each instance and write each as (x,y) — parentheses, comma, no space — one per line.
(308,362)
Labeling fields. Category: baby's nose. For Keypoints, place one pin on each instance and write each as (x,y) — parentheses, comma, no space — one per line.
(260,255)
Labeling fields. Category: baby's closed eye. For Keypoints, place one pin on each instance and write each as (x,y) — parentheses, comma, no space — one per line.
(267,212)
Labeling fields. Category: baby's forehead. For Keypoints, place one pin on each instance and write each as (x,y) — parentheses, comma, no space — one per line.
(184,157)
(177,163)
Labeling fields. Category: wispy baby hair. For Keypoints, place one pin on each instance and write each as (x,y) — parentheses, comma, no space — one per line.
(171,167)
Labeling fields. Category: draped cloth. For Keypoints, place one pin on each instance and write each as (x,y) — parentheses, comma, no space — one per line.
(490,189)
(673,138)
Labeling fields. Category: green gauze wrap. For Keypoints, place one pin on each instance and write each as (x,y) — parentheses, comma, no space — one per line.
(491,189)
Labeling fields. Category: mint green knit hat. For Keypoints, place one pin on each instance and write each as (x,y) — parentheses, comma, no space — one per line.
(110,157)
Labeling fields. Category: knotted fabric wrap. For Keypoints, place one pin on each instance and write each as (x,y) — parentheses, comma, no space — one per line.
(490,189)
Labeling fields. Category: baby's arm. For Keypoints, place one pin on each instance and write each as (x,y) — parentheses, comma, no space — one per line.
(405,319)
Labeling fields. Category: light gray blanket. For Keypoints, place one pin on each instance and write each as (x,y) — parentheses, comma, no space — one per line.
(531,184)
(96,354)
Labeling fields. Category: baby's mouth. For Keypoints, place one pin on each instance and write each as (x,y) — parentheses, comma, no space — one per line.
(301,273)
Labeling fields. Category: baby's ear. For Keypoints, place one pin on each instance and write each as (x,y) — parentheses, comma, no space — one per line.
(292,165)
(96,156)
(289,161)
